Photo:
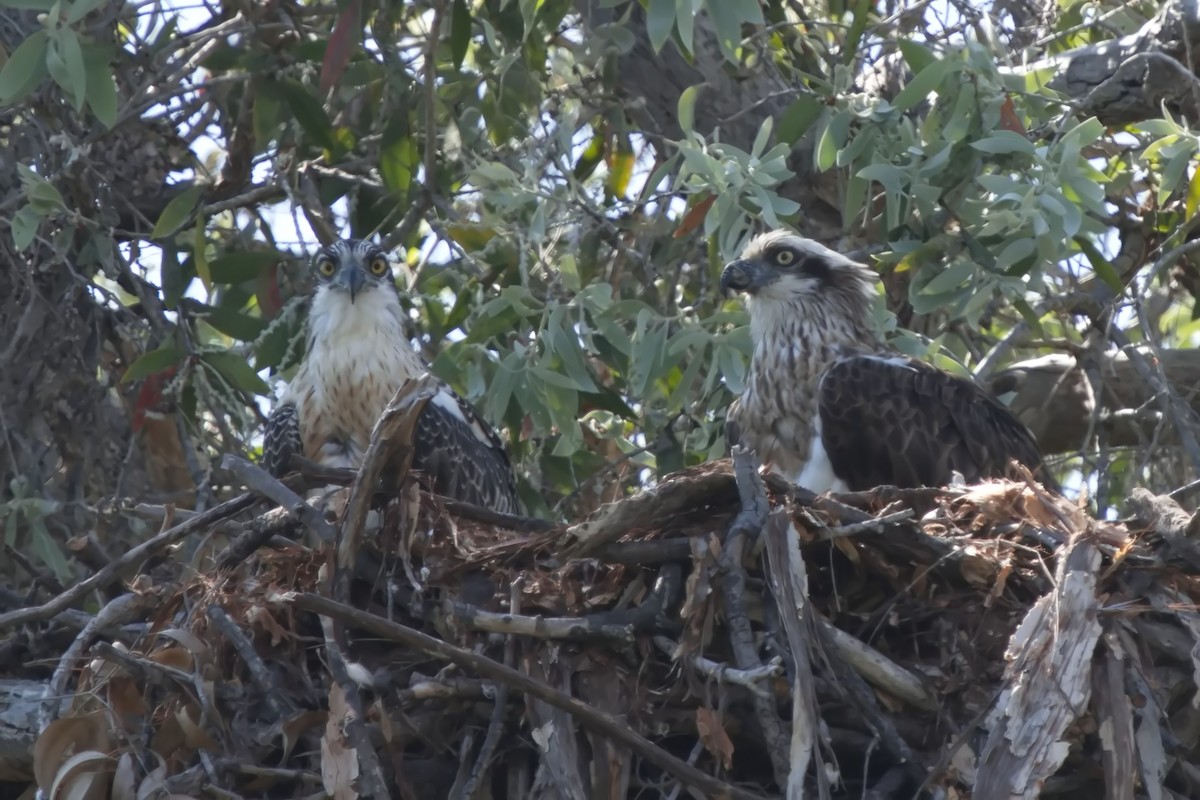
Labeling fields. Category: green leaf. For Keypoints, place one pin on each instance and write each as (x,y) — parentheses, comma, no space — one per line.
(152,362)
(42,545)
(175,276)
(1015,252)
(916,55)
(685,21)
(862,12)
(590,158)
(237,371)
(1172,172)
(620,169)
(923,83)
(233,268)
(43,196)
(460,32)
(25,68)
(832,139)
(889,176)
(762,137)
(798,118)
(1193,195)
(64,59)
(265,118)
(399,158)
(1081,135)
(176,213)
(102,94)
(24,226)
(1005,142)
(553,378)
(1029,315)
(660,19)
(200,257)
(501,391)
(687,108)
(951,277)
(1104,270)
(733,367)
(81,8)
(308,111)
(236,324)
(273,347)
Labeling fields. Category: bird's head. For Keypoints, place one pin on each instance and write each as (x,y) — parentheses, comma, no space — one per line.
(354,268)
(783,266)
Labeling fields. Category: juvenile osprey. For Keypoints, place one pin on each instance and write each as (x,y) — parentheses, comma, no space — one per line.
(830,406)
(358,357)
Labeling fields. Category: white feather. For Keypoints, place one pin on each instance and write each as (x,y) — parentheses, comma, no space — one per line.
(817,473)
(449,403)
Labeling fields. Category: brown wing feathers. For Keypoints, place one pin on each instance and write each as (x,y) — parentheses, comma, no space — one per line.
(459,463)
(894,420)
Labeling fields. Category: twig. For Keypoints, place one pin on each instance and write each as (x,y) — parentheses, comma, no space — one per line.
(753,679)
(148,669)
(157,513)
(500,705)
(1180,413)
(856,690)
(279,704)
(131,558)
(880,671)
(644,553)
(789,584)
(371,781)
(690,492)
(392,431)
(852,528)
(257,532)
(619,625)
(489,668)
(115,613)
(318,473)
(262,482)
(40,578)
(572,628)
(747,524)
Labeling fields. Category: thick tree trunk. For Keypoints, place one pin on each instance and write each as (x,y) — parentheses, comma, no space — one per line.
(1053,398)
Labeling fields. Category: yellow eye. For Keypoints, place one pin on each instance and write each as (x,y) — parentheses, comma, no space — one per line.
(379,267)
(325,267)
(784,257)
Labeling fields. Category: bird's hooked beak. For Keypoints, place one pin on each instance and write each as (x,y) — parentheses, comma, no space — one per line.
(743,275)
(351,278)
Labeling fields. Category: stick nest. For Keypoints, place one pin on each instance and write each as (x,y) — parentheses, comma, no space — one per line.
(722,633)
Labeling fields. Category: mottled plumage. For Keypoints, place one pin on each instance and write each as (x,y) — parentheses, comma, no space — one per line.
(830,406)
(358,357)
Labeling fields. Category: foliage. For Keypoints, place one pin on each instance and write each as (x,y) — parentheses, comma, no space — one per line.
(558,250)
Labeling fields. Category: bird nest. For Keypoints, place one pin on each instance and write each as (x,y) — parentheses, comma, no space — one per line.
(722,633)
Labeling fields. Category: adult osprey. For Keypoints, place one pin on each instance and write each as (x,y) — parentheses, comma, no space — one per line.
(830,406)
(358,357)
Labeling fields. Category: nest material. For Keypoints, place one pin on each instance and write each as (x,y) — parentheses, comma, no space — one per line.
(716,634)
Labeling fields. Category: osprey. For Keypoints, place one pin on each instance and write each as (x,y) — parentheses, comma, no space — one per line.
(358,357)
(831,407)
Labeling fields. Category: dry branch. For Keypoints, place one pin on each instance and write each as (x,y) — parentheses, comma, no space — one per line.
(523,683)
(720,647)
(1047,681)
(134,557)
